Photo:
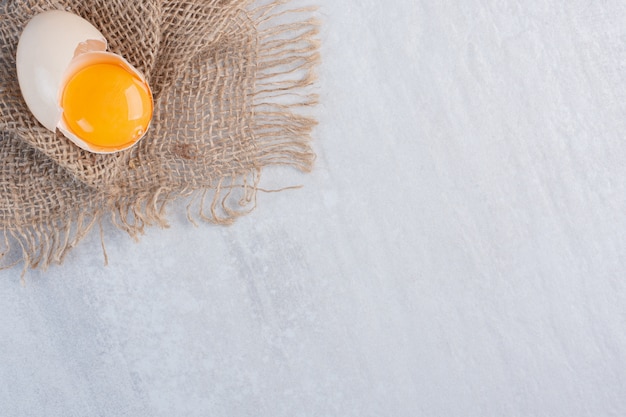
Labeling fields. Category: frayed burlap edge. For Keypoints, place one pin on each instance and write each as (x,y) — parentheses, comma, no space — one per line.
(288,54)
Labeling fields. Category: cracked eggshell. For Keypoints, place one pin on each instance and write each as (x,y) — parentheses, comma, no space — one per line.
(46,47)
(79,62)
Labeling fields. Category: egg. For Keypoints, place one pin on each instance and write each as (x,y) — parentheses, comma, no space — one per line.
(69,81)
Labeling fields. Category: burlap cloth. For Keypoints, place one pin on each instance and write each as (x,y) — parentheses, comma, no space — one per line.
(229,77)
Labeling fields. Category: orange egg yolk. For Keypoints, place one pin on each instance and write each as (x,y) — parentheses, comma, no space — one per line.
(106,105)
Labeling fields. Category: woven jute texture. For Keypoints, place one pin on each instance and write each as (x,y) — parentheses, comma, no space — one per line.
(231,81)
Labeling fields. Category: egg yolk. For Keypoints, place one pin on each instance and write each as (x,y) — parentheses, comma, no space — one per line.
(106,105)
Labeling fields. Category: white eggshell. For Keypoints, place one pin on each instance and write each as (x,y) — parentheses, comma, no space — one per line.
(46,47)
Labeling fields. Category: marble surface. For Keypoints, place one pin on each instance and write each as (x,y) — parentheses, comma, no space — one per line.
(459,250)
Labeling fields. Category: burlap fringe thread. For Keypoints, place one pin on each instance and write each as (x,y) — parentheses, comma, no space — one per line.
(287,56)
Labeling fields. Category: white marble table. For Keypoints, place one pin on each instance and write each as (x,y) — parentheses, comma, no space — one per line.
(460,249)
